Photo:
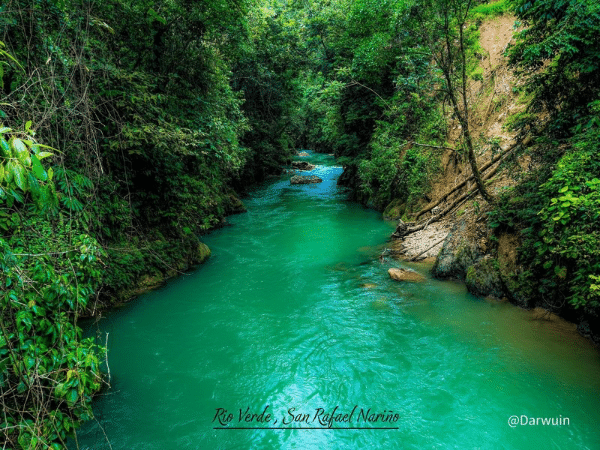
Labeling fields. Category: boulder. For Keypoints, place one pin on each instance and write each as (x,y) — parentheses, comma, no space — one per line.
(202,253)
(305,179)
(303,154)
(483,278)
(405,275)
(456,256)
(302,165)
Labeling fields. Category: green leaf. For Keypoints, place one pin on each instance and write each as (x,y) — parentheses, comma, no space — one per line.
(32,184)
(72,396)
(5,130)
(156,17)
(561,272)
(9,174)
(29,362)
(42,155)
(19,176)
(4,148)
(38,169)
(60,390)
(21,152)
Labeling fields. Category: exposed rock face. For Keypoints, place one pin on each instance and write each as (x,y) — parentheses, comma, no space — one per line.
(302,165)
(405,275)
(305,179)
(509,271)
(456,256)
(483,278)
(462,259)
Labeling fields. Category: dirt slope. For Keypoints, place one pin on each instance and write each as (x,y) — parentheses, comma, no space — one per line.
(491,100)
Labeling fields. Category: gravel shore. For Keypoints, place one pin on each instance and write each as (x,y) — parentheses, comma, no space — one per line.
(416,243)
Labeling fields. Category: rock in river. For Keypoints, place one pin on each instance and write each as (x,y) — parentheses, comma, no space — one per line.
(405,275)
(305,179)
(302,165)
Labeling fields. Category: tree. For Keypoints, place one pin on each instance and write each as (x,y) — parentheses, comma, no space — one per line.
(446,38)
(558,50)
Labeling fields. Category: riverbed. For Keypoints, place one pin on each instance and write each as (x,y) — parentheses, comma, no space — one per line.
(294,317)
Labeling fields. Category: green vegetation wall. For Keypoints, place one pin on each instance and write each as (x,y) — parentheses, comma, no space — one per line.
(121,140)
(556,207)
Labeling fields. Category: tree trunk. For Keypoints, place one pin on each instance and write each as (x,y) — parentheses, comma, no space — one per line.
(466,132)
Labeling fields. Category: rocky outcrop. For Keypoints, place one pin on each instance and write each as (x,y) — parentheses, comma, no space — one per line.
(483,278)
(463,259)
(394,210)
(302,165)
(305,179)
(234,205)
(192,254)
(202,253)
(405,275)
(456,256)
(509,270)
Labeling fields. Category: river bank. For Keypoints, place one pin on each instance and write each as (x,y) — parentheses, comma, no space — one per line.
(466,250)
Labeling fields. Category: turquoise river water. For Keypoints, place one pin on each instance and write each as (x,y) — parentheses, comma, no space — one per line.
(295,314)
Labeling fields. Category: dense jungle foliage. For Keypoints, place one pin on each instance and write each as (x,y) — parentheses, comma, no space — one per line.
(128,128)
(556,207)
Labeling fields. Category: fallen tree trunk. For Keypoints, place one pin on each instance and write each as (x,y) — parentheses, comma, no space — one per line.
(403,229)
(460,185)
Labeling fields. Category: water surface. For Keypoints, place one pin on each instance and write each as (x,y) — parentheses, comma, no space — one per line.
(295,310)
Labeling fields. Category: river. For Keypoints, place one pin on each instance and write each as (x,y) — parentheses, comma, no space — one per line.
(295,313)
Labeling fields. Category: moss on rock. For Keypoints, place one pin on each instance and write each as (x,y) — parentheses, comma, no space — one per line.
(483,278)
(202,253)
(394,210)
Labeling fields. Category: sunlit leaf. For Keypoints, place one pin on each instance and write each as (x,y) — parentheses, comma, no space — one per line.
(38,169)
(20,177)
